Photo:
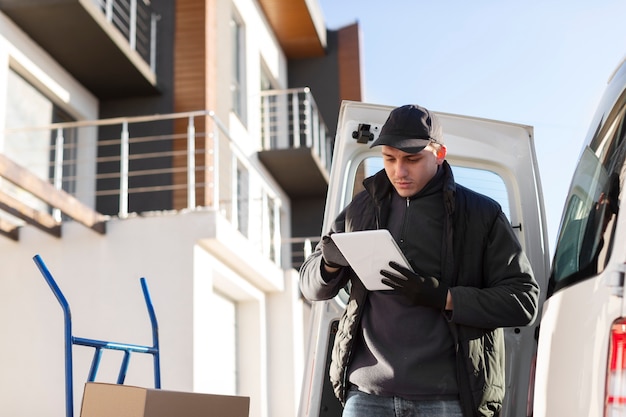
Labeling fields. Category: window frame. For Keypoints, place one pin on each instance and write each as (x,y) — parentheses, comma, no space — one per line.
(588,225)
(238,67)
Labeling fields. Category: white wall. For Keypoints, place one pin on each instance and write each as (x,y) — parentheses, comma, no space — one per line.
(286,347)
(99,276)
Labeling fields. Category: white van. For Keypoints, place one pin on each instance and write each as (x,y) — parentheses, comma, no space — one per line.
(580,355)
(581,359)
(495,158)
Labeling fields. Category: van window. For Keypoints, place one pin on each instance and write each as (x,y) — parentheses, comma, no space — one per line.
(479,180)
(588,225)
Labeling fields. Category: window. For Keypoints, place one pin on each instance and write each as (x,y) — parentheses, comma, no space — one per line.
(270,113)
(271,217)
(479,180)
(591,208)
(266,79)
(67,144)
(242,199)
(484,182)
(237,85)
(38,150)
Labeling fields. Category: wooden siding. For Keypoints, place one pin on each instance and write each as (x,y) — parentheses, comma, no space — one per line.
(293,24)
(191,87)
(349,63)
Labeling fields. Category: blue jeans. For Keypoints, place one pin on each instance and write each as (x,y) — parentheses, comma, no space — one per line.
(360,404)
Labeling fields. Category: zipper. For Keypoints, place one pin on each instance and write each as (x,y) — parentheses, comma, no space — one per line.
(404,222)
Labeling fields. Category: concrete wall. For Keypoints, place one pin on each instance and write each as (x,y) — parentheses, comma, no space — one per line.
(99,276)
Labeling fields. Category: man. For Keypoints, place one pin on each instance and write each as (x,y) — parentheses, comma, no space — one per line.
(433,345)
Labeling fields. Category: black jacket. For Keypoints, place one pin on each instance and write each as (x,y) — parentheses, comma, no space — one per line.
(491,280)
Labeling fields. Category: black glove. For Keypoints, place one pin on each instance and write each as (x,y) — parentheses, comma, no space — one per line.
(331,255)
(428,292)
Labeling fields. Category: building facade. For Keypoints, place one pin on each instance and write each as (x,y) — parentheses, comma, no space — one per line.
(188,142)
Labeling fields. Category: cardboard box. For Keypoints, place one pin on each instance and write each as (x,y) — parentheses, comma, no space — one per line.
(111,400)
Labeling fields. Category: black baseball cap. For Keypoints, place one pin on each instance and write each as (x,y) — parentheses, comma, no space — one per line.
(410,128)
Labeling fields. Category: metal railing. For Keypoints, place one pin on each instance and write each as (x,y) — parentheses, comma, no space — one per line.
(126,165)
(153,163)
(290,119)
(137,22)
(301,248)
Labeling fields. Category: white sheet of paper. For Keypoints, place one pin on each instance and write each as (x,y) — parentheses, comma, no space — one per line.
(368,252)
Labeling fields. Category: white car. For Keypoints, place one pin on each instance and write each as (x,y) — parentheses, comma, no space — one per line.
(495,158)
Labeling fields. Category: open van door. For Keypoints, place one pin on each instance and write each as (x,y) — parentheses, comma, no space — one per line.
(491,157)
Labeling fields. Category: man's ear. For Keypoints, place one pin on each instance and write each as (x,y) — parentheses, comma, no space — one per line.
(441,153)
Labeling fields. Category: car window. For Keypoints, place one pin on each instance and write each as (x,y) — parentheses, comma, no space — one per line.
(592,205)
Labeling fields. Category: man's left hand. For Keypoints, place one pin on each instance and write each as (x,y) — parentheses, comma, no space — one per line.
(422,291)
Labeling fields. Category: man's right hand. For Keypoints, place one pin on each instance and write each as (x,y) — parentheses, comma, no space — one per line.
(331,255)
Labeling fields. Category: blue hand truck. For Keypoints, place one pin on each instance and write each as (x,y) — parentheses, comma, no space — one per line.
(98,345)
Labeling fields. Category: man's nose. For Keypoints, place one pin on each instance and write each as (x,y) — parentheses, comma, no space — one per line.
(401,170)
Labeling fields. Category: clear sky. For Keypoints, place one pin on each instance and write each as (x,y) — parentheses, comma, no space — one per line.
(543,63)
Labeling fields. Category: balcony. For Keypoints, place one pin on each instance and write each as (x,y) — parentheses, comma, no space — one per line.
(296,146)
(107,45)
(87,171)
(152,165)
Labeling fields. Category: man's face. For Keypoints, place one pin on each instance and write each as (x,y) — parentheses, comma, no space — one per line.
(410,172)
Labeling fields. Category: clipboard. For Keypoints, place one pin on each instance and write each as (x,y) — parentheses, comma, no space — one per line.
(368,252)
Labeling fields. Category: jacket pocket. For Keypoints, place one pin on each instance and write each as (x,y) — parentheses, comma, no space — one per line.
(483,352)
